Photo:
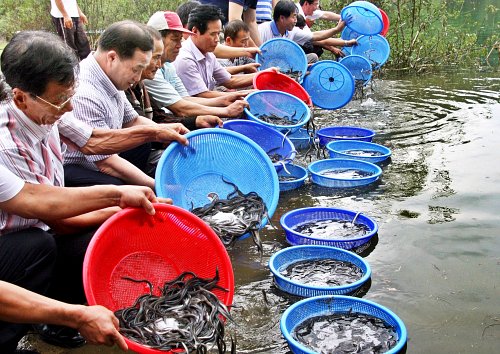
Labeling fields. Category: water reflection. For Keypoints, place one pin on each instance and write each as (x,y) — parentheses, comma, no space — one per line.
(422,205)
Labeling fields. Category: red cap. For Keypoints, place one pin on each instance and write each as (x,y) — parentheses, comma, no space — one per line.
(167,20)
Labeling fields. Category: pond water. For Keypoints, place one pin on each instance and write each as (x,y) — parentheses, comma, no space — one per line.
(436,259)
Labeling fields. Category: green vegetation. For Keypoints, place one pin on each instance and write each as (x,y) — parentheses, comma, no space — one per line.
(423,33)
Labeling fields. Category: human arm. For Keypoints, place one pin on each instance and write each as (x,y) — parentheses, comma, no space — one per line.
(208,121)
(324,34)
(68,22)
(97,324)
(118,167)
(42,201)
(330,16)
(226,52)
(111,141)
(221,101)
(239,81)
(83,18)
(235,12)
(331,44)
(187,107)
(249,68)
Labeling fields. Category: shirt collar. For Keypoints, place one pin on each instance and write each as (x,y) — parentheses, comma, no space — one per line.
(194,49)
(99,75)
(275,30)
(23,122)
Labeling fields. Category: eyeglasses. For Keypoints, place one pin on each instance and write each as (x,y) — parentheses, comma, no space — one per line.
(58,107)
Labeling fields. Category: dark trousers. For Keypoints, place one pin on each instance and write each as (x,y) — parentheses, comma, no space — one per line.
(75,37)
(78,176)
(43,263)
(27,259)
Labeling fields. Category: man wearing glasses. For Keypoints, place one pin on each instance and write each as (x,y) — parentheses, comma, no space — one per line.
(36,127)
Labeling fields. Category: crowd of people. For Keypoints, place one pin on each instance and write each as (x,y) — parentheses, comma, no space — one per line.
(81,132)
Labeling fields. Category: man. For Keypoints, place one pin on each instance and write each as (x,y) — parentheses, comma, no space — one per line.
(196,64)
(27,258)
(310,10)
(123,51)
(221,52)
(39,69)
(69,19)
(237,35)
(166,90)
(283,25)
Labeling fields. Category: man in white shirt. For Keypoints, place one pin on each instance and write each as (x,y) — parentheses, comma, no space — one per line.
(283,25)
(310,10)
(69,19)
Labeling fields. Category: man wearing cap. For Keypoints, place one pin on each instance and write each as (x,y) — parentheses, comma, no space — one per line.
(166,90)
(196,64)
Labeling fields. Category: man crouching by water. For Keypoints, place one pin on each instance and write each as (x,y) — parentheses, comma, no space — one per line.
(40,70)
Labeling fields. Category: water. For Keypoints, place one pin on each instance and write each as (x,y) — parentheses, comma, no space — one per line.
(331,229)
(345,173)
(436,260)
(322,272)
(346,333)
(363,153)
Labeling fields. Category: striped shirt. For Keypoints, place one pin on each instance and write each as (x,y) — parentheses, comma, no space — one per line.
(35,153)
(264,11)
(99,104)
(10,184)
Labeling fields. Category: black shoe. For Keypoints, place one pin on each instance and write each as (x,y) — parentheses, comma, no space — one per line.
(26,351)
(61,336)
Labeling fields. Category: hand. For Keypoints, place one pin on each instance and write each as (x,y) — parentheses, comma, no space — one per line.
(251,68)
(235,109)
(208,121)
(337,52)
(68,22)
(351,42)
(137,196)
(100,326)
(84,19)
(251,51)
(340,26)
(165,200)
(169,132)
(228,98)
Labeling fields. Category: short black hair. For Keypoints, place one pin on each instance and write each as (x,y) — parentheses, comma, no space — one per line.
(154,33)
(184,9)
(125,37)
(302,2)
(202,15)
(234,27)
(33,59)
(301,21)
(284,8)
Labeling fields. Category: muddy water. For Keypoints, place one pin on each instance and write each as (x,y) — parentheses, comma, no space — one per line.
(436,259)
